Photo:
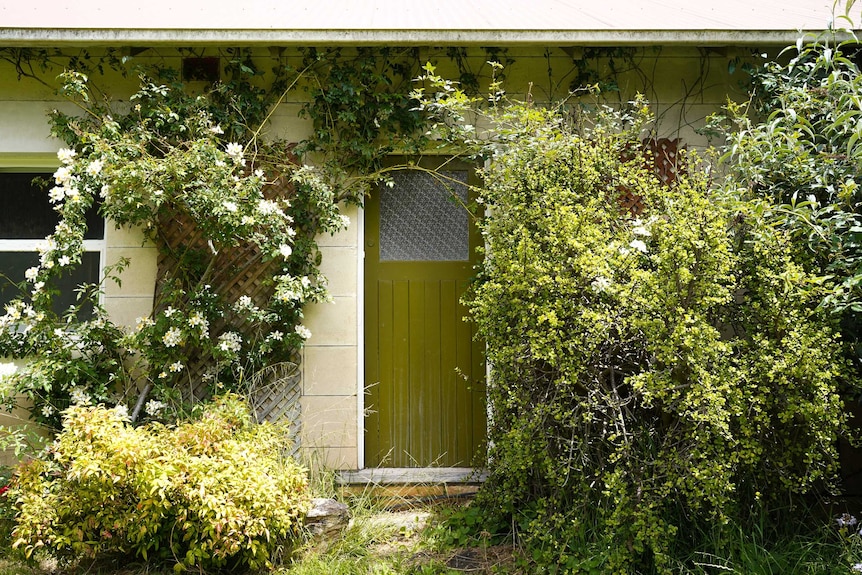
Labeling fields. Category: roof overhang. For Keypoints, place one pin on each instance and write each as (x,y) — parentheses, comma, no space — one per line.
(59,37)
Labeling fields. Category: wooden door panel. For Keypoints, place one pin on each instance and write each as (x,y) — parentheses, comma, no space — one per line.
(423,407)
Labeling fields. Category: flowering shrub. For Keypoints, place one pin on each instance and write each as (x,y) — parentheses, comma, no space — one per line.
(217,491)
(652,375)
(167,160)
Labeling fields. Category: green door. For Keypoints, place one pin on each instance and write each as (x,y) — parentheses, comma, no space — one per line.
(424,376)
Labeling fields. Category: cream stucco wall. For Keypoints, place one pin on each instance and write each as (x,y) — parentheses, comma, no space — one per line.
(684,85)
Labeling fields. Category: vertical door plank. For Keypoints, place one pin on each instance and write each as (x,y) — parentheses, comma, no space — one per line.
(416,368)
(448,364)
(400,429)
(432,436)
(385,394)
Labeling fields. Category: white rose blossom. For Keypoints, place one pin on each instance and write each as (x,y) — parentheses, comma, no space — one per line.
(230,342)
(235,151)
(172,337)
(154,407)
(80,397)
(63,176)
(94,167)
(57,194)
(66,155)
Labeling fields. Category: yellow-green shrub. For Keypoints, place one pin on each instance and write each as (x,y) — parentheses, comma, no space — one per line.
(652,374)
(216,491)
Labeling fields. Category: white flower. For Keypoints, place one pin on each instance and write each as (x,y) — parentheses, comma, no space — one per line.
(176,367)
(172,337)
(122,412)
(144,322)
(64,261)
(600,284)
(288,295)
(80,397)
(105,192)
(154,407)
(258,173)
(94,167)
(66,155)
(169,311)
(244,302)
(216,130)
(63,175)
(47,410)
(234,150)
(303,331)
(230,206)
(46,246)
(345,221)
(57,194)
(198,320)
(230,342)
(638,245)
(13,312)
(268,207)
(857,568)
(640,228)
(38,286)
(32,273)
(276,336)
(285,250)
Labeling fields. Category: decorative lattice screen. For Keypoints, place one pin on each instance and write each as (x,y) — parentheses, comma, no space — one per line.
(662,155)
(237,271)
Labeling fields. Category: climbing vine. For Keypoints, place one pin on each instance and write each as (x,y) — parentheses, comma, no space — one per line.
(168,158)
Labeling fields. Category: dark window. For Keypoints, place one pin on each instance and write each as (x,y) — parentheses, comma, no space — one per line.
(26,218)
(27,212)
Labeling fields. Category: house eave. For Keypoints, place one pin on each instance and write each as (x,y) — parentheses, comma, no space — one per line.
(58,37)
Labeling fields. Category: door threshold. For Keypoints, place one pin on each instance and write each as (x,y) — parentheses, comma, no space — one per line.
(412,476)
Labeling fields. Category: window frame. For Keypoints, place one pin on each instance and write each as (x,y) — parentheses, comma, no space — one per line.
(47,164)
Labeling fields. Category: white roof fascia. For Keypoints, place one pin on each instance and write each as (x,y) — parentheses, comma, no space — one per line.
(50,37)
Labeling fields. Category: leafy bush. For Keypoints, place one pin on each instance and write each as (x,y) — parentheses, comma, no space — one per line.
(648,373)
(797,144)
(213,492)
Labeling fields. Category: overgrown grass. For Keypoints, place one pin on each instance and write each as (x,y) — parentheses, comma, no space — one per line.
(391,537)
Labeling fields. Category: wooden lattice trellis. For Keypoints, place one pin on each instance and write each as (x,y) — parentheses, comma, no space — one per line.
(661,156)
(237,271)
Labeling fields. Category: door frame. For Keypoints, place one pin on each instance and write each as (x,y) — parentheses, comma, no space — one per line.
(395,475)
